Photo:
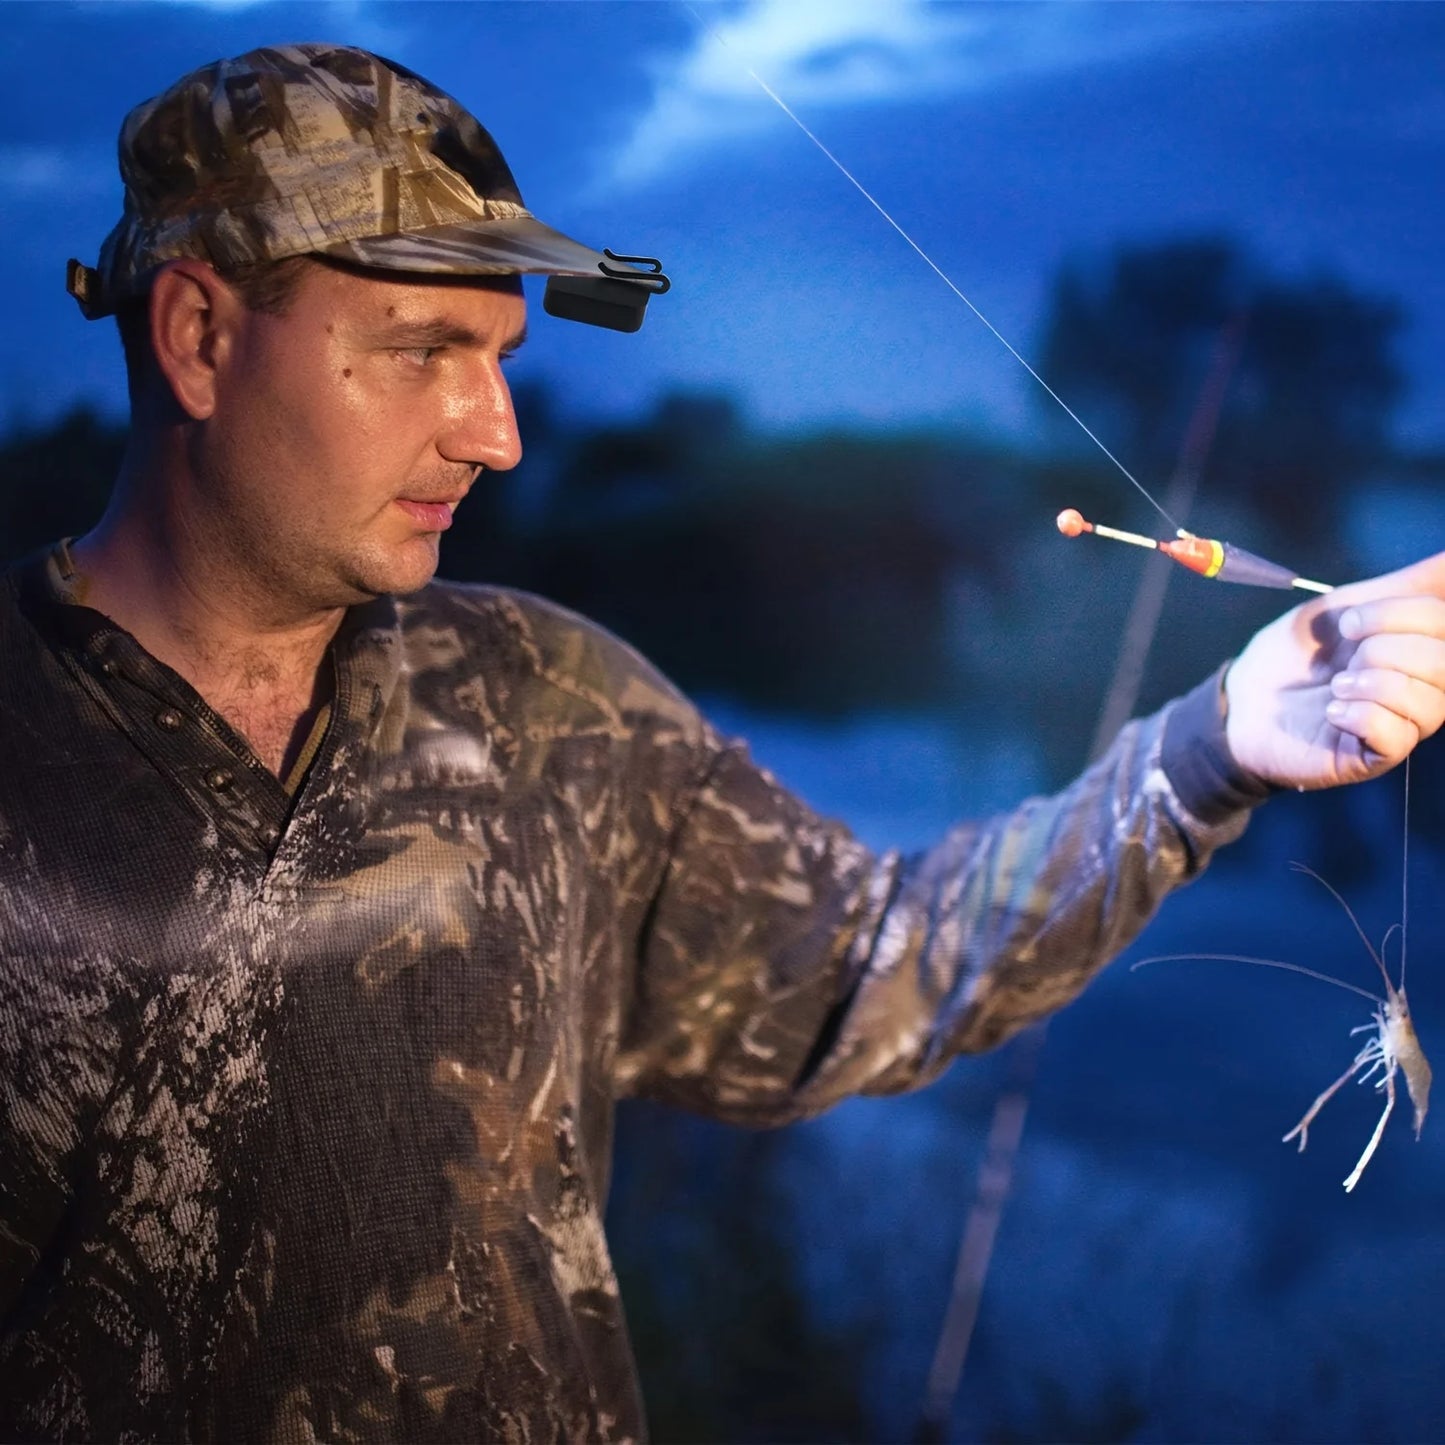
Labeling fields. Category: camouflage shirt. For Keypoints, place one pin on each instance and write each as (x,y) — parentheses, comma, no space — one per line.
(306,1102)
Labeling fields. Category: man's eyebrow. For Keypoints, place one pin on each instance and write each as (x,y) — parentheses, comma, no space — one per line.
(444,333)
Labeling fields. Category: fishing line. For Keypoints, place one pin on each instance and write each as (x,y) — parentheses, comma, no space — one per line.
(1405,880)
(932,265)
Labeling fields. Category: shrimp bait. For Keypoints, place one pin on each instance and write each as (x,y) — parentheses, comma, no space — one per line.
(1393,1048)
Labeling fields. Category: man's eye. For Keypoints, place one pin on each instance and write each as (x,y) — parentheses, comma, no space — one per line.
(419,355)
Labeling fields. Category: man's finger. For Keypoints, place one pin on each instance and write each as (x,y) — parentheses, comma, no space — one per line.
(1410,654)
(1385,733)
(1416,702)
(1419,613)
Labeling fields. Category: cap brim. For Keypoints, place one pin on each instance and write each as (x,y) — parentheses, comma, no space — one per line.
(475,248)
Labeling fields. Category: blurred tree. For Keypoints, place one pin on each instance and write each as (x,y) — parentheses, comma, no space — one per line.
(1319,386)
(1130,340)
(54,481)
(799,574)
(1308,415)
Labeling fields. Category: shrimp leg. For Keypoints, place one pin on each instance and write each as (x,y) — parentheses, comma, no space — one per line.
(1375,1137)
(1303,1127)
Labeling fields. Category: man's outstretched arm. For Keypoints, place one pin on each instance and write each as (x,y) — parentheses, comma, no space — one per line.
(785,967)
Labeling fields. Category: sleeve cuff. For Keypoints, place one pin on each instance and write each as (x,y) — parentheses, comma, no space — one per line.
(1196,759)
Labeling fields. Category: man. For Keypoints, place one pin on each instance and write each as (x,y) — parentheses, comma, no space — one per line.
(338,906)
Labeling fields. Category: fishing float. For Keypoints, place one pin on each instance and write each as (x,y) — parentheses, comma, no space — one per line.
(1220,561)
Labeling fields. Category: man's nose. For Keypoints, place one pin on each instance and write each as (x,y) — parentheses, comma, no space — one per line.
(480,426)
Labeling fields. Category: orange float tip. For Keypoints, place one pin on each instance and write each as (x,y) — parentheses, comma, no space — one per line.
(1199,554)
(1071,522)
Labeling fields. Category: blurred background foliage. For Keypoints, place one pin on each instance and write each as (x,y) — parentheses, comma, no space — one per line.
(824,575)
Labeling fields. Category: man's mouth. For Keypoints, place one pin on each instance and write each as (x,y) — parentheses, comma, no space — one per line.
(432,516)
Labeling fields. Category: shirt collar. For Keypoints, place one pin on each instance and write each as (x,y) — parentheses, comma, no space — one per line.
(365,652)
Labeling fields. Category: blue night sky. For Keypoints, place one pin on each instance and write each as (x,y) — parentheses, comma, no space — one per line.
(1004,137)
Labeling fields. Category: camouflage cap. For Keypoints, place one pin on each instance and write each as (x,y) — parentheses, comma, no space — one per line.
(292,149)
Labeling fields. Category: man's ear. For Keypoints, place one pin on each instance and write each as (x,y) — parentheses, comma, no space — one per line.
(192,315)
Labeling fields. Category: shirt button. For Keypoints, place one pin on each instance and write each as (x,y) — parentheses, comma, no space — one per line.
(219,779)
(269,837)
(109,667)
(169,719)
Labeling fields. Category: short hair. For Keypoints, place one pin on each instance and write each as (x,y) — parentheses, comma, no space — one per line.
(265,286)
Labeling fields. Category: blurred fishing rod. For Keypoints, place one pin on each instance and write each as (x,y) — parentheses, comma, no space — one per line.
(1010,1111)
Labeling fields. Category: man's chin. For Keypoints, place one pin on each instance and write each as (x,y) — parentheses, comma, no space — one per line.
(398,570)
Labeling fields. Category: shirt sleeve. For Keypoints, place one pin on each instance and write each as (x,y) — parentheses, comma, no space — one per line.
(784,966)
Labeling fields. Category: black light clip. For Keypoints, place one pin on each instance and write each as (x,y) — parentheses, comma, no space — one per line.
(616,299)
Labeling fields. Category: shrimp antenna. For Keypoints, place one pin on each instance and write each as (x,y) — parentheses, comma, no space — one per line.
(1390,932)
(1262,962)
(1350,914)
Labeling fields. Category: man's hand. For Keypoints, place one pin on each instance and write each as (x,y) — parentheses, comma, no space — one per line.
(1343,687)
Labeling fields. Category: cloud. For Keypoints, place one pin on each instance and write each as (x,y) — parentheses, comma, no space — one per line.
(52,170)
(851,53)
